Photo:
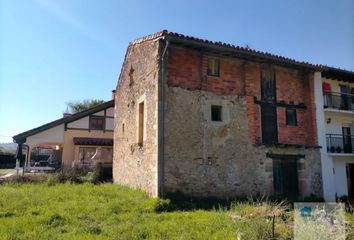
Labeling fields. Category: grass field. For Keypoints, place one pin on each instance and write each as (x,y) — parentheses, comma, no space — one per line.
(107,211)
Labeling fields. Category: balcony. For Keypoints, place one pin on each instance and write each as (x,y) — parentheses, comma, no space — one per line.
(340,144)
(339,101)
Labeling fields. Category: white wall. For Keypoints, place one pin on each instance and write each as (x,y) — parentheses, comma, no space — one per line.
(340,177)
(110,124)
(337,122)
(82,123)
(326,161)
(101,113)
(52,135)
(110,112)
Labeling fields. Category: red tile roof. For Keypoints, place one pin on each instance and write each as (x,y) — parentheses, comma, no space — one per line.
(243,50)
(226,47)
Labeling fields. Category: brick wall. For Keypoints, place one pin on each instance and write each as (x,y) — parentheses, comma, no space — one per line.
(187,69)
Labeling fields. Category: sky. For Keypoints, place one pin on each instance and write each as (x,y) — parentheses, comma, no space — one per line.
(56,51)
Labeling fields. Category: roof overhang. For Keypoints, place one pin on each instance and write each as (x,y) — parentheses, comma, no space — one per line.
(232,51)
(93,141)
(338,74)
(21,138)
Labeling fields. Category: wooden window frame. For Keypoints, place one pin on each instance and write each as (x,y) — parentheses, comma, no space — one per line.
(213,69)
(288,115)
(95,128)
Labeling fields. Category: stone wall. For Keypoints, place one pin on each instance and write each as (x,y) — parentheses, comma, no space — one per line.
(206,158)
(135,164)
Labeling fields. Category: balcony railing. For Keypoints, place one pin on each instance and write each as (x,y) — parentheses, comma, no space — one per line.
(341,101)
(338,143)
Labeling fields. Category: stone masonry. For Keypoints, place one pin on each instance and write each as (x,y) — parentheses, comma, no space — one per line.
(203,157)
(136,165)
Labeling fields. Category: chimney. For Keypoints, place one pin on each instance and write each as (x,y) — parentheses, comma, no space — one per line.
(65,115)
(113,94)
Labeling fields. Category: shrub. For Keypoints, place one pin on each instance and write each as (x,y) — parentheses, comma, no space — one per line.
(27,178)
(79,175)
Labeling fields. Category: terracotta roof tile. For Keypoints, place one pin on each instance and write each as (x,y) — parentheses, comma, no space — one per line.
(244,50)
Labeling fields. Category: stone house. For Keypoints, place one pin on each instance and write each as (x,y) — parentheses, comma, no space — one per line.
(212,119)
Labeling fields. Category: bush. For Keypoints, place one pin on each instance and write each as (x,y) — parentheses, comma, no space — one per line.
(95,175)
(71,175)
(27,178)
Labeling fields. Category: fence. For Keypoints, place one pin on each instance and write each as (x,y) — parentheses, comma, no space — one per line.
(8,160)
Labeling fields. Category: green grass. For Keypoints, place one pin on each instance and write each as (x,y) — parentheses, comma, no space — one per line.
(108,211)
(5,171)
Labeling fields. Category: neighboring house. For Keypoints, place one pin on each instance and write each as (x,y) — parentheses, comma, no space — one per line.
(83,138)
(335,115)
(212,119)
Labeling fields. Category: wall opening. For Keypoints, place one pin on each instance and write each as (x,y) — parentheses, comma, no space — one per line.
(141,124)
(213,67)
(291,118)
(285,178)
(216,113)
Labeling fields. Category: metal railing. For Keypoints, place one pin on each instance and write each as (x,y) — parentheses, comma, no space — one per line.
(339,143)
(341,101)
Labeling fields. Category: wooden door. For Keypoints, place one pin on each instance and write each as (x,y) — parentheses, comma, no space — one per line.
(350,181)
(347,140)
(285,178)
(268,108)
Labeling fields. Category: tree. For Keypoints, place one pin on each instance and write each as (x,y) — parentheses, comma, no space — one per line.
(78,106)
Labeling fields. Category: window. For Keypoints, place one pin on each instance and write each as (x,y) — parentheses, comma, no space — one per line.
(86,153)
(141,124)
(213,67)
(216,112)
(96,123)
(100,154)
(268,85)
(291,119)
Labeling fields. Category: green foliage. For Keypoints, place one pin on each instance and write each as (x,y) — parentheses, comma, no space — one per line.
(108,211)
(73,175)
(79,106)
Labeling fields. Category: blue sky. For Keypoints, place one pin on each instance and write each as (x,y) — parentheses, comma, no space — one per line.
(53,52)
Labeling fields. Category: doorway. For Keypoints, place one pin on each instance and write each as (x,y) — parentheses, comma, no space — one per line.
(268,107)
(344,90)
(285,177)
(347,139)
(350,181)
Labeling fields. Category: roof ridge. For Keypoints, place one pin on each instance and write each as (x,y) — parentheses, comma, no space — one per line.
(246,50)
(149,37)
